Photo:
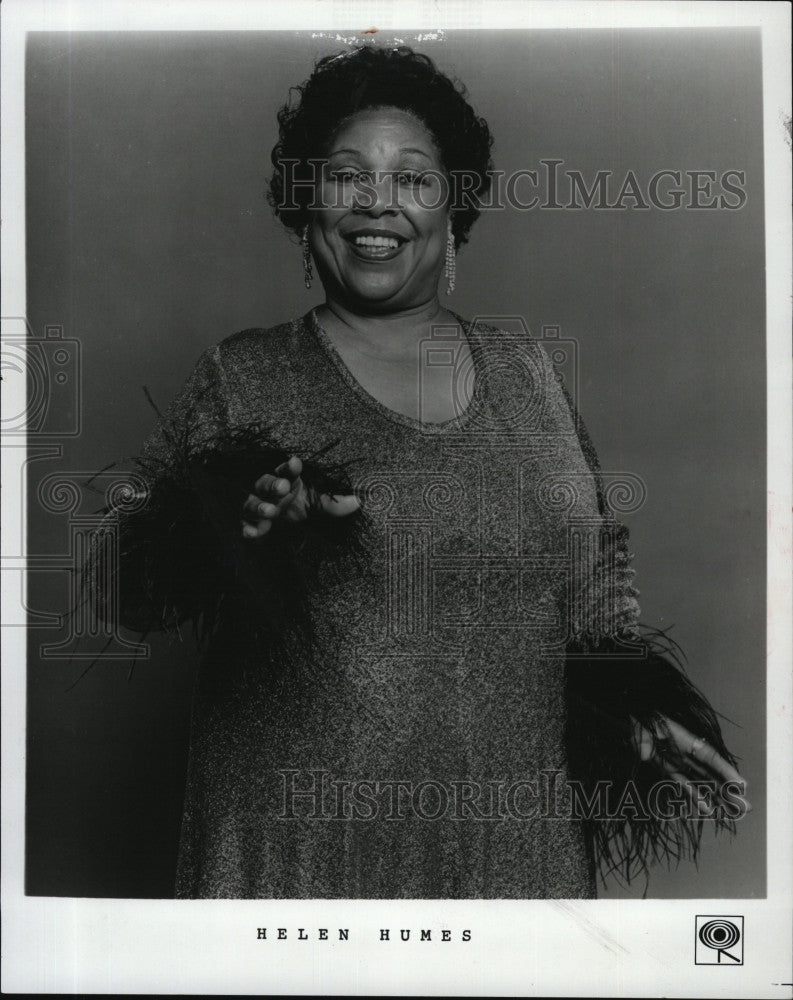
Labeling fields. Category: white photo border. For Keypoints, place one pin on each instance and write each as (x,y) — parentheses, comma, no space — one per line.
(530,947)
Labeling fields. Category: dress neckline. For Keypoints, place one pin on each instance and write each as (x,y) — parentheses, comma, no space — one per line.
(425,427)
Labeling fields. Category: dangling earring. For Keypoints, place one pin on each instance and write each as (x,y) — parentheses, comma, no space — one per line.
(308,271)
(451,260)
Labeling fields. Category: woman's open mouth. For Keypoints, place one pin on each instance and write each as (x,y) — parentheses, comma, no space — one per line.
(375,247)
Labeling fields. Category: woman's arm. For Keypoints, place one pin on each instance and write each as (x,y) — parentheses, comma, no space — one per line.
(192,545)
(634,719)
(153,535)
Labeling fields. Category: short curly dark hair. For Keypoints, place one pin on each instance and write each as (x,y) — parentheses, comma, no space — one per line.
(370,77)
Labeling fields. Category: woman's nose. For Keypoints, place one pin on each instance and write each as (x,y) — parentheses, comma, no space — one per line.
(376,195)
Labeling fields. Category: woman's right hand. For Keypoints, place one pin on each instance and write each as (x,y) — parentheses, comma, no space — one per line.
(283,496)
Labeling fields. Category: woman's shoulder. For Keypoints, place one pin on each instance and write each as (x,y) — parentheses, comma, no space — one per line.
(260,339)
(509,335)
(256,351)
(522,362)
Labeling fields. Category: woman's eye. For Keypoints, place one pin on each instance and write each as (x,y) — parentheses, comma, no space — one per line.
(411,177)
(345,176)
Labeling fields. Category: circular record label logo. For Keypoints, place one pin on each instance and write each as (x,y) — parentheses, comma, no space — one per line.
(719,940)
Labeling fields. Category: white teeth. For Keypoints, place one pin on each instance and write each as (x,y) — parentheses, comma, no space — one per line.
(377,241)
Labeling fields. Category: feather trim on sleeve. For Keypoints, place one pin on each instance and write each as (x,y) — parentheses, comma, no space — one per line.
(624,675)
(183,557)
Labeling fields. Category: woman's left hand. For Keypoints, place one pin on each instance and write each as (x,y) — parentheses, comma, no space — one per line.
(690,754)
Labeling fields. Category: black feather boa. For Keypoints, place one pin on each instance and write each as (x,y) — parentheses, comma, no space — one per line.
(607,692)
(183,559)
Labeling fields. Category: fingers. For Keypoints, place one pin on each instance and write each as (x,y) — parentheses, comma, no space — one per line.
(272,488)
(643,740)
(290,469)
(701,753)
(282,494)
(259,515)
(699,797)
(273,495)
(693,755)
(339,506)
(254,508)
(257,530)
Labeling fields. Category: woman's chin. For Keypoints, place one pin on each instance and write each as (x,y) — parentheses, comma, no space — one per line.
(376,294)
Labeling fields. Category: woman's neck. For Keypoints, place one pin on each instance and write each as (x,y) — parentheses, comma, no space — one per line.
(383,334)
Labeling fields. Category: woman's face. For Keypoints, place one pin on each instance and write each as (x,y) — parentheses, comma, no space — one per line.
(379,239)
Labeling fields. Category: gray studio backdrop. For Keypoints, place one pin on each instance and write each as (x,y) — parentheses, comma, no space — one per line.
(148,239)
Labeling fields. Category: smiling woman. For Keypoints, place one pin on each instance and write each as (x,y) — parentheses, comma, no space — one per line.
(380,242)
(422,638)
(382,221)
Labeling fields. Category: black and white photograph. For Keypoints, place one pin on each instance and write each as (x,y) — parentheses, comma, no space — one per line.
(396,446)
